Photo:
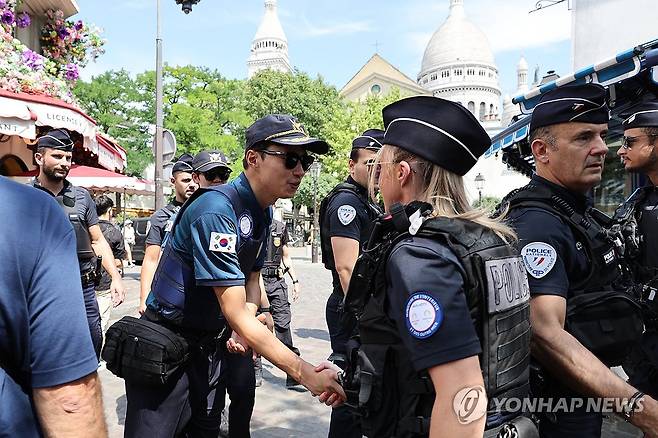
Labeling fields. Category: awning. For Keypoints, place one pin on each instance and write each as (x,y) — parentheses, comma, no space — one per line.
(16,118)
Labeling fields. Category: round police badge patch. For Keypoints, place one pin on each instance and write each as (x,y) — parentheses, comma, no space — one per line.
(346,214)
(246,225)
(423,315)
(538,258)
(277,241)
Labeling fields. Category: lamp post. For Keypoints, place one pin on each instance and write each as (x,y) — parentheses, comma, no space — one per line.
(315,173)
(479,184)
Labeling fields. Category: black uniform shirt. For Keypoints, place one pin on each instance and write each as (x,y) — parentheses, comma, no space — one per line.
(347,216)
(114,238)
(277,239)
(86,210)
(553,257)
(648,227)
(425,299)
(161,222)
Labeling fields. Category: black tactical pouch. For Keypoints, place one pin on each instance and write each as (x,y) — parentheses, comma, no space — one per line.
(607,323)
(144,352)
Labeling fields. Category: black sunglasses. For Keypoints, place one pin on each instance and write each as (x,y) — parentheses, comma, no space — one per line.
(221,173)
(292,159)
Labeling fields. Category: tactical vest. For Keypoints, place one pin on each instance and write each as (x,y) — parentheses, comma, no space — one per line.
(174,277)
(325,233)
(275,245)
(392,398)
(603,312)
(171,211)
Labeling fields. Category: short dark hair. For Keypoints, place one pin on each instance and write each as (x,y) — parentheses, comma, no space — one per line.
(256,147)
(651,131)
(354,155)
(544,133)
(103,204)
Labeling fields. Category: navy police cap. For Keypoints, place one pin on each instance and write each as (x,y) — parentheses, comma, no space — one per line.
(585,103)
(285,130)
(641,116)
(438,130)
(371,139)
(206,160)
(183,164)
(56,139)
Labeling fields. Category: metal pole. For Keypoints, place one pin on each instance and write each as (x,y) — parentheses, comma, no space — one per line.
(480,203)
(314,242)
(159,196)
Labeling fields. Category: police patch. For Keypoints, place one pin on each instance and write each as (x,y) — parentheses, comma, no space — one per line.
(346,214)
(246,225)
(220,242)
(423,315)
(276,241)
(538,258)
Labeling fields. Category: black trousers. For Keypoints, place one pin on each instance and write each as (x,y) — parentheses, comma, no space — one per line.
(343,424)
(277,294)
(578,424)
(642,364)
(191,405)
(93,317)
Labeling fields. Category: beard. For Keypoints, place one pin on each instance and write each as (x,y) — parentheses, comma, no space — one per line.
(54,174)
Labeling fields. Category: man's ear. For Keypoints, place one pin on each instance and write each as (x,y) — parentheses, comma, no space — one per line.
(252,157)
(38,157)
(540,150)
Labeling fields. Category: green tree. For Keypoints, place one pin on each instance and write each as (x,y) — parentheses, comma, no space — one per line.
(305,192)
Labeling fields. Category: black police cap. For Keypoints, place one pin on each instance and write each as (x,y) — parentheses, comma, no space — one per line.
(285,130)
(183,164)
(644,115)
(206,160)
(438,130)
(372,139)
(585,103)
(56,139)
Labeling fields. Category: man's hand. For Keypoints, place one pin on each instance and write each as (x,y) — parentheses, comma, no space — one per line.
(237,344)
(295,292)
(118,291)
(267,320)
(141,309)
(328,398)
(324,381)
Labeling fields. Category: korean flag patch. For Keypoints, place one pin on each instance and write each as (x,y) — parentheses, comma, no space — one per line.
(423,315)
(220,242)
(346,214)
(538,258)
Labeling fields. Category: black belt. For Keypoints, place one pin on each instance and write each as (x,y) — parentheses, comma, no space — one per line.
(89,277)
(270,272)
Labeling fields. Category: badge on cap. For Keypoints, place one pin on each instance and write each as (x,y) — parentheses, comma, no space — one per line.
(346,214)
(246,225)
(220,242)
(538,258)
(423,315)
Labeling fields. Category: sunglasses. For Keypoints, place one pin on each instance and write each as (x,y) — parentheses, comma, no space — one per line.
(627,142)
(221,173)
(291,159)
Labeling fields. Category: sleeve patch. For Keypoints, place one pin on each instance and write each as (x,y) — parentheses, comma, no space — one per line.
(220,242)
(538,258)
(346,214)
(423,315)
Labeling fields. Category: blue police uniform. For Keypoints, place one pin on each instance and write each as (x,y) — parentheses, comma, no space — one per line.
(44,336)
(220,235)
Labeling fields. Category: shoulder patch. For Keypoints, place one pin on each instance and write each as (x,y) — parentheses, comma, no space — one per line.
(538,258)
(423,315)
(346,214)
(220,242)
(246,225)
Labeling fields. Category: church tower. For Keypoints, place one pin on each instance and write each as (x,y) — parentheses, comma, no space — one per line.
(269,48)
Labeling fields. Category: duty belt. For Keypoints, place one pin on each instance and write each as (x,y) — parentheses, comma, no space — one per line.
(271,272)
(89,277)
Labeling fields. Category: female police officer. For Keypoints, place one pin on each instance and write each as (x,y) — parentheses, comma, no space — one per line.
(443,286)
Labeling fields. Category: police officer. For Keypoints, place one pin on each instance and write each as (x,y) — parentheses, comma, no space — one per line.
(345,217)
(638,153)
(161,222)
(209,275)
(573,269)
(53,155)
(276,288)
(210,168)
(446,297)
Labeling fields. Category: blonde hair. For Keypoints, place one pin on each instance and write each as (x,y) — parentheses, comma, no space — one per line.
(442,189)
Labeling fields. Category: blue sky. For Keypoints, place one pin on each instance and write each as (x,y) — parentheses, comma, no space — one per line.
(330,38)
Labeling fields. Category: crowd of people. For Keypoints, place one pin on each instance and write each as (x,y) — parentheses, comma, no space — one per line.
(440,313)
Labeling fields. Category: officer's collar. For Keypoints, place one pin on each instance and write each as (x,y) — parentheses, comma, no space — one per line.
(66,187)
(241,184)
(176,203)
(579,201)
(359,188)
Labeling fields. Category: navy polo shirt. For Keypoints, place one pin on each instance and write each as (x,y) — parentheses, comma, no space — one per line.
(427,302)
(44,336)
(552,255)
(160,223)
(208,236)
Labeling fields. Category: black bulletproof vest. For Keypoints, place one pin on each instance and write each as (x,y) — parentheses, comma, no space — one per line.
(275,245)
(325,233)
(399,401)
(603,312)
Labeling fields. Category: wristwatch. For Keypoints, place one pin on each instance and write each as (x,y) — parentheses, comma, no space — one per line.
(631,406)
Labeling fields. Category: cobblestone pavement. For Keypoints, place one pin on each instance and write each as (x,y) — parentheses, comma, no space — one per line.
(278,412)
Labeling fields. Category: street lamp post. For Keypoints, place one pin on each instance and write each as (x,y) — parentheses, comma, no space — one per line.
(315,173)
(159,195)
(479,184)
